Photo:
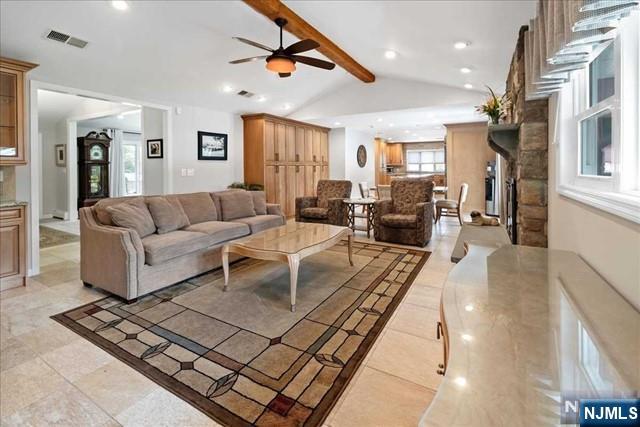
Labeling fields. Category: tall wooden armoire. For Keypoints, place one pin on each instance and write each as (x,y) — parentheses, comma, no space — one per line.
(286,156)
(93,168)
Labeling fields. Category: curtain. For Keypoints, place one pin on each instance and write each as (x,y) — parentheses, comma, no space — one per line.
(562,37)
(115,165)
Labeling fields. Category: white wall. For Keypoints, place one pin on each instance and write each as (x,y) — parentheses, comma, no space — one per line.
(337,153)
(152,128)
(343,162)
(208,174)
(53,178)
(608,243)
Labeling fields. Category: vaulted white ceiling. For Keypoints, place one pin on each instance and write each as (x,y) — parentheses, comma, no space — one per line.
(177,52)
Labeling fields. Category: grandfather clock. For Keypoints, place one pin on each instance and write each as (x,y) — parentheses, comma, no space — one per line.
(93,168)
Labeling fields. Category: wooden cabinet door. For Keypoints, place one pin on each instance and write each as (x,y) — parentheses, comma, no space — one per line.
(281,142)
(10,242)
(324,147)
(300,145)
(11,117)
(325,172)
(290,143)
(308,145)
(269,141)
(309,184)
(291,180)
(300,181)
(275,184)
(317,152)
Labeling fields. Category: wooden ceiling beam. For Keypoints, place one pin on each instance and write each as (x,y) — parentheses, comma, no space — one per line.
(300,28)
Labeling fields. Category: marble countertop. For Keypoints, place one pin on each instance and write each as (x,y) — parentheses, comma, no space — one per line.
(526,327)
(11,203)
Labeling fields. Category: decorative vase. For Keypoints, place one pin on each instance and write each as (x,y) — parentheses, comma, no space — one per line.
(495,120)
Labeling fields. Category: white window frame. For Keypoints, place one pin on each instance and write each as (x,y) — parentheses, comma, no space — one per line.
(434,163)
(618,194)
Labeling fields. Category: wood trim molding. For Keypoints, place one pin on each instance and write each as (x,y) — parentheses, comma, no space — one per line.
(283,120)
(17,65)
(300,28)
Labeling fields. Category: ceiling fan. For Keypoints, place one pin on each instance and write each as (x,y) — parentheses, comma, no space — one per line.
(283,60)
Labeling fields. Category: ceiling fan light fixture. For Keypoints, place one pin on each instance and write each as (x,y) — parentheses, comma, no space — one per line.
(281,65)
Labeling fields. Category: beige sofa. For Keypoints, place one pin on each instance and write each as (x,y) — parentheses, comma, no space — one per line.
(114,256)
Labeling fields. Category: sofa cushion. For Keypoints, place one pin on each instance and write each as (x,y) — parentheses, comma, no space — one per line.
(319,213)
(100,208)
(236,204)
(159,248)
(199,207)
(332,189)
(136,217)
(219,231)
(261,222)
(399,221)
(215,195)
(259,202)
(167,213)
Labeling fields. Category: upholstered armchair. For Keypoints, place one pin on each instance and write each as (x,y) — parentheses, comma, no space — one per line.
(407,217)
(327,207)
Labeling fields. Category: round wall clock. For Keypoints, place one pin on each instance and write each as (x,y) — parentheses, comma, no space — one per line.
(362,156)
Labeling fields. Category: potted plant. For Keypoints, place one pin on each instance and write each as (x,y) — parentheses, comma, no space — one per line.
(246,186)
(495,107)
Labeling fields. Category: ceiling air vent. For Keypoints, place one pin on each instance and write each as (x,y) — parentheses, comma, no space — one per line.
(77,42)
(246,94)
(66,39)
(58,36)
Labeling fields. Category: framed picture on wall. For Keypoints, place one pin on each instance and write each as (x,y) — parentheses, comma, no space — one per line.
(61,155)
(154,148)
(212,146)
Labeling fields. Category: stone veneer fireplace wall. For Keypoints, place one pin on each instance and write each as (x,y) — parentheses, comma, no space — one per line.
(529,165)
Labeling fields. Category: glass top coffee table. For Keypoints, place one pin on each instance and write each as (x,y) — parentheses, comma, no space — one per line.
(289,244)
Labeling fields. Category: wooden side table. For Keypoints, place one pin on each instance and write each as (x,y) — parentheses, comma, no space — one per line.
(366,214)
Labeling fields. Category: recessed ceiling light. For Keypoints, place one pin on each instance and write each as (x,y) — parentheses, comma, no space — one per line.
(415,134)
(461,381)
(468,307)
(468,86)
(261,98)
(286,106)
(379,119)
(337,123)
(390,54)
(461,45)
(406,131)
(120,116)
(465,70)
(120,4)
(390,125)
(227,88)
(467,337)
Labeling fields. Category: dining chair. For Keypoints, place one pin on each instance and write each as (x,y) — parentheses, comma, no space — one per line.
(452,207)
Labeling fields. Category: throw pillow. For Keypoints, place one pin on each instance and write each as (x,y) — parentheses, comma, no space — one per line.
(168,214)
(236,204)
(259,202)
(199,207)
(135,217)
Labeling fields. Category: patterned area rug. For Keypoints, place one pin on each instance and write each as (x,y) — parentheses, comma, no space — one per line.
(241,356)
(50,237)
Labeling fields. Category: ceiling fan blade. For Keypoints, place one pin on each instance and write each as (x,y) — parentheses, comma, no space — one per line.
(283,75)
(254,44)
(314,62)
(301,46)
(254,58)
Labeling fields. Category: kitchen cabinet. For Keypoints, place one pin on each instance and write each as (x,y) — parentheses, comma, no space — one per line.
(394,154)
(12,247)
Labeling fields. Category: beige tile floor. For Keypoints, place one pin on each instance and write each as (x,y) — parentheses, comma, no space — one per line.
(51,376)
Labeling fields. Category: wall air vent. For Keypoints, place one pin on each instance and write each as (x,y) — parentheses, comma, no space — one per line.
(66,39)
(58,36)
(246,94)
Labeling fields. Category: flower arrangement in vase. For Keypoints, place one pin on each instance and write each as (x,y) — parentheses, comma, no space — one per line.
(495,107)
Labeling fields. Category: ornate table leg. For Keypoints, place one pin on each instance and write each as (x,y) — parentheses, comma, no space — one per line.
(350,245)
(294,263)
(225,266)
